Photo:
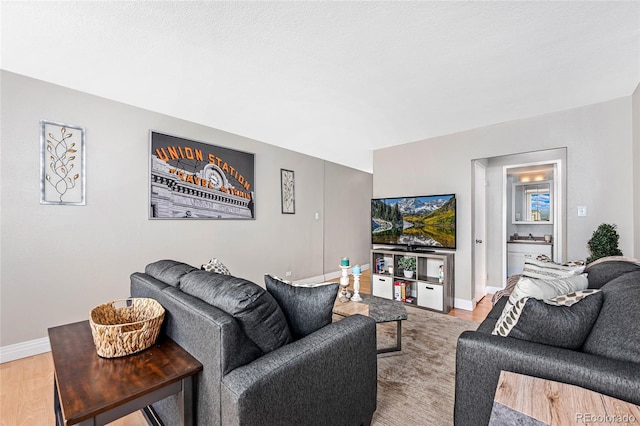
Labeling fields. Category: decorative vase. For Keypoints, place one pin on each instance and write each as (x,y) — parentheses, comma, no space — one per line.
(408,274)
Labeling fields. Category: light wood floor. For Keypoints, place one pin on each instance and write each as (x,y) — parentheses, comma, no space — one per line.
(26,385)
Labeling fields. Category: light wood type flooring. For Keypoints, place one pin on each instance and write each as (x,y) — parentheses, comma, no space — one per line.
(26,385)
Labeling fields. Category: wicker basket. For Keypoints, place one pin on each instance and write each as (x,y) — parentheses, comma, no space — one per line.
(124,327)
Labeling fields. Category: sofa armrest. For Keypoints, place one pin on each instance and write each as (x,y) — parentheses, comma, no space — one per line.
(480,357)
(296,383)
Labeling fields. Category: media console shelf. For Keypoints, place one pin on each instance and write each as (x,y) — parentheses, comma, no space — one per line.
(430,287)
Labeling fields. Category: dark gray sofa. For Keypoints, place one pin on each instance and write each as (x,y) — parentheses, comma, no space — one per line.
(608,362)
(328,377)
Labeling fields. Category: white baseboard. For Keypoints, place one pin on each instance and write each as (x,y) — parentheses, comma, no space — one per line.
(312,280)
(24,349)
(467,305)
(326,277)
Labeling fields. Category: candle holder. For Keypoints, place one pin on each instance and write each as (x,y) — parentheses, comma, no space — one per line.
(356,288)
(344,283)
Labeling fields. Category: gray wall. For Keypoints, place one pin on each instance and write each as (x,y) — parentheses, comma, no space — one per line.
(57,262)
(349,194)
(600,175)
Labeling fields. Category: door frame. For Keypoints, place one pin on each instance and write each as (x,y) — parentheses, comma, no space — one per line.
(476,254)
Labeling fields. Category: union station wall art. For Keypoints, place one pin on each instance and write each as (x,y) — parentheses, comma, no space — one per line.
(195,180)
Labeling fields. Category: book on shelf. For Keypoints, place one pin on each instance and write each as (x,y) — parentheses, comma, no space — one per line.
(402,291)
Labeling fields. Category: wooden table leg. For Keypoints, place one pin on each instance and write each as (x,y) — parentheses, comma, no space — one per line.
(188,417)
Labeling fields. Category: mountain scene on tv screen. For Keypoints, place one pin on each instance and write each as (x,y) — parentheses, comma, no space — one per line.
(418,221)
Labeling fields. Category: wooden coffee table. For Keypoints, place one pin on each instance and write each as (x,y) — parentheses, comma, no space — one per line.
(527,400)
(90,390)
(378,308)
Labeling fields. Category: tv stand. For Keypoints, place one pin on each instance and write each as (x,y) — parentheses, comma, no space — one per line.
(431,286)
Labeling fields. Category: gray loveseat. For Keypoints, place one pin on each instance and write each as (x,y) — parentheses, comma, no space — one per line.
(607,362)
(254,372)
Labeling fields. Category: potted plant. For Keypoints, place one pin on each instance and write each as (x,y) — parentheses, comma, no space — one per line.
(408,265)
(604,242)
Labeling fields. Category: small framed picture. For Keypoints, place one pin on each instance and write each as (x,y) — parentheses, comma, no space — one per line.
(62,168)
(287,188)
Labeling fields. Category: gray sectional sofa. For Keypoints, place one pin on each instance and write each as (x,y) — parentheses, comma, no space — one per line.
(256,371)
(607,361)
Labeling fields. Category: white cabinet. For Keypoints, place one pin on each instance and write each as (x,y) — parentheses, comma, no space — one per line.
(382,286)
(430,295)
(516,253)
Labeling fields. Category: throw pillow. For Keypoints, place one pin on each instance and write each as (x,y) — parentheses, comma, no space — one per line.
(252,306)
(306,309)
(563,326)
(543,267)
(616,334)
(542,289)
(168,271)
(571,298)
(546,289)
(216,266)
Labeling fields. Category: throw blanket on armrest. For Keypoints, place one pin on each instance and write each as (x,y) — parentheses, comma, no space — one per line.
(507,290)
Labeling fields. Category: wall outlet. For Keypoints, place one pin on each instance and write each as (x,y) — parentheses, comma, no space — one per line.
(287,274)
(582,211)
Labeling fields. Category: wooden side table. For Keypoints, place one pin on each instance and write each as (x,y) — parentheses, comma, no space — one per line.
(90,390)
(526,400)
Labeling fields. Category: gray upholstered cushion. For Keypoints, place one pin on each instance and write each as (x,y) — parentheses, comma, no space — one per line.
(168,271)
(307,309)
(252,306)
(616,333)
(603,272)
(560,326)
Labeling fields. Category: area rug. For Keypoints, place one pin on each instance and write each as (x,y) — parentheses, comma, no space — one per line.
(416,386)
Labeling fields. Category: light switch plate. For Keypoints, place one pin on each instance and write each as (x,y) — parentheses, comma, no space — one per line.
(582,210)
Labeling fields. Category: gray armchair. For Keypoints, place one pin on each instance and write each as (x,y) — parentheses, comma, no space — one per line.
(326,377)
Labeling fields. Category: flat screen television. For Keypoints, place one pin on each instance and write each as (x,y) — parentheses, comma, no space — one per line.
(421,223)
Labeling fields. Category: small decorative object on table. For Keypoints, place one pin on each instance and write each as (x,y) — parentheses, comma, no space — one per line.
(356,272)
(344,280)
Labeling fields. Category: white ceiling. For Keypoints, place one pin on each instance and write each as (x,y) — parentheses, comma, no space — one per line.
(333,79)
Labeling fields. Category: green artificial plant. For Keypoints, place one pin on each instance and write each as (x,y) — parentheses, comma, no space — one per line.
(407,263)
(604,242)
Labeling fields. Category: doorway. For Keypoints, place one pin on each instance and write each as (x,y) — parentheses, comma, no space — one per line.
(492,252)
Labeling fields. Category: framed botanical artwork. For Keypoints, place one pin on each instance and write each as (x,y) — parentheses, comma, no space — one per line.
(62,164)
(197,180)
(287,190)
